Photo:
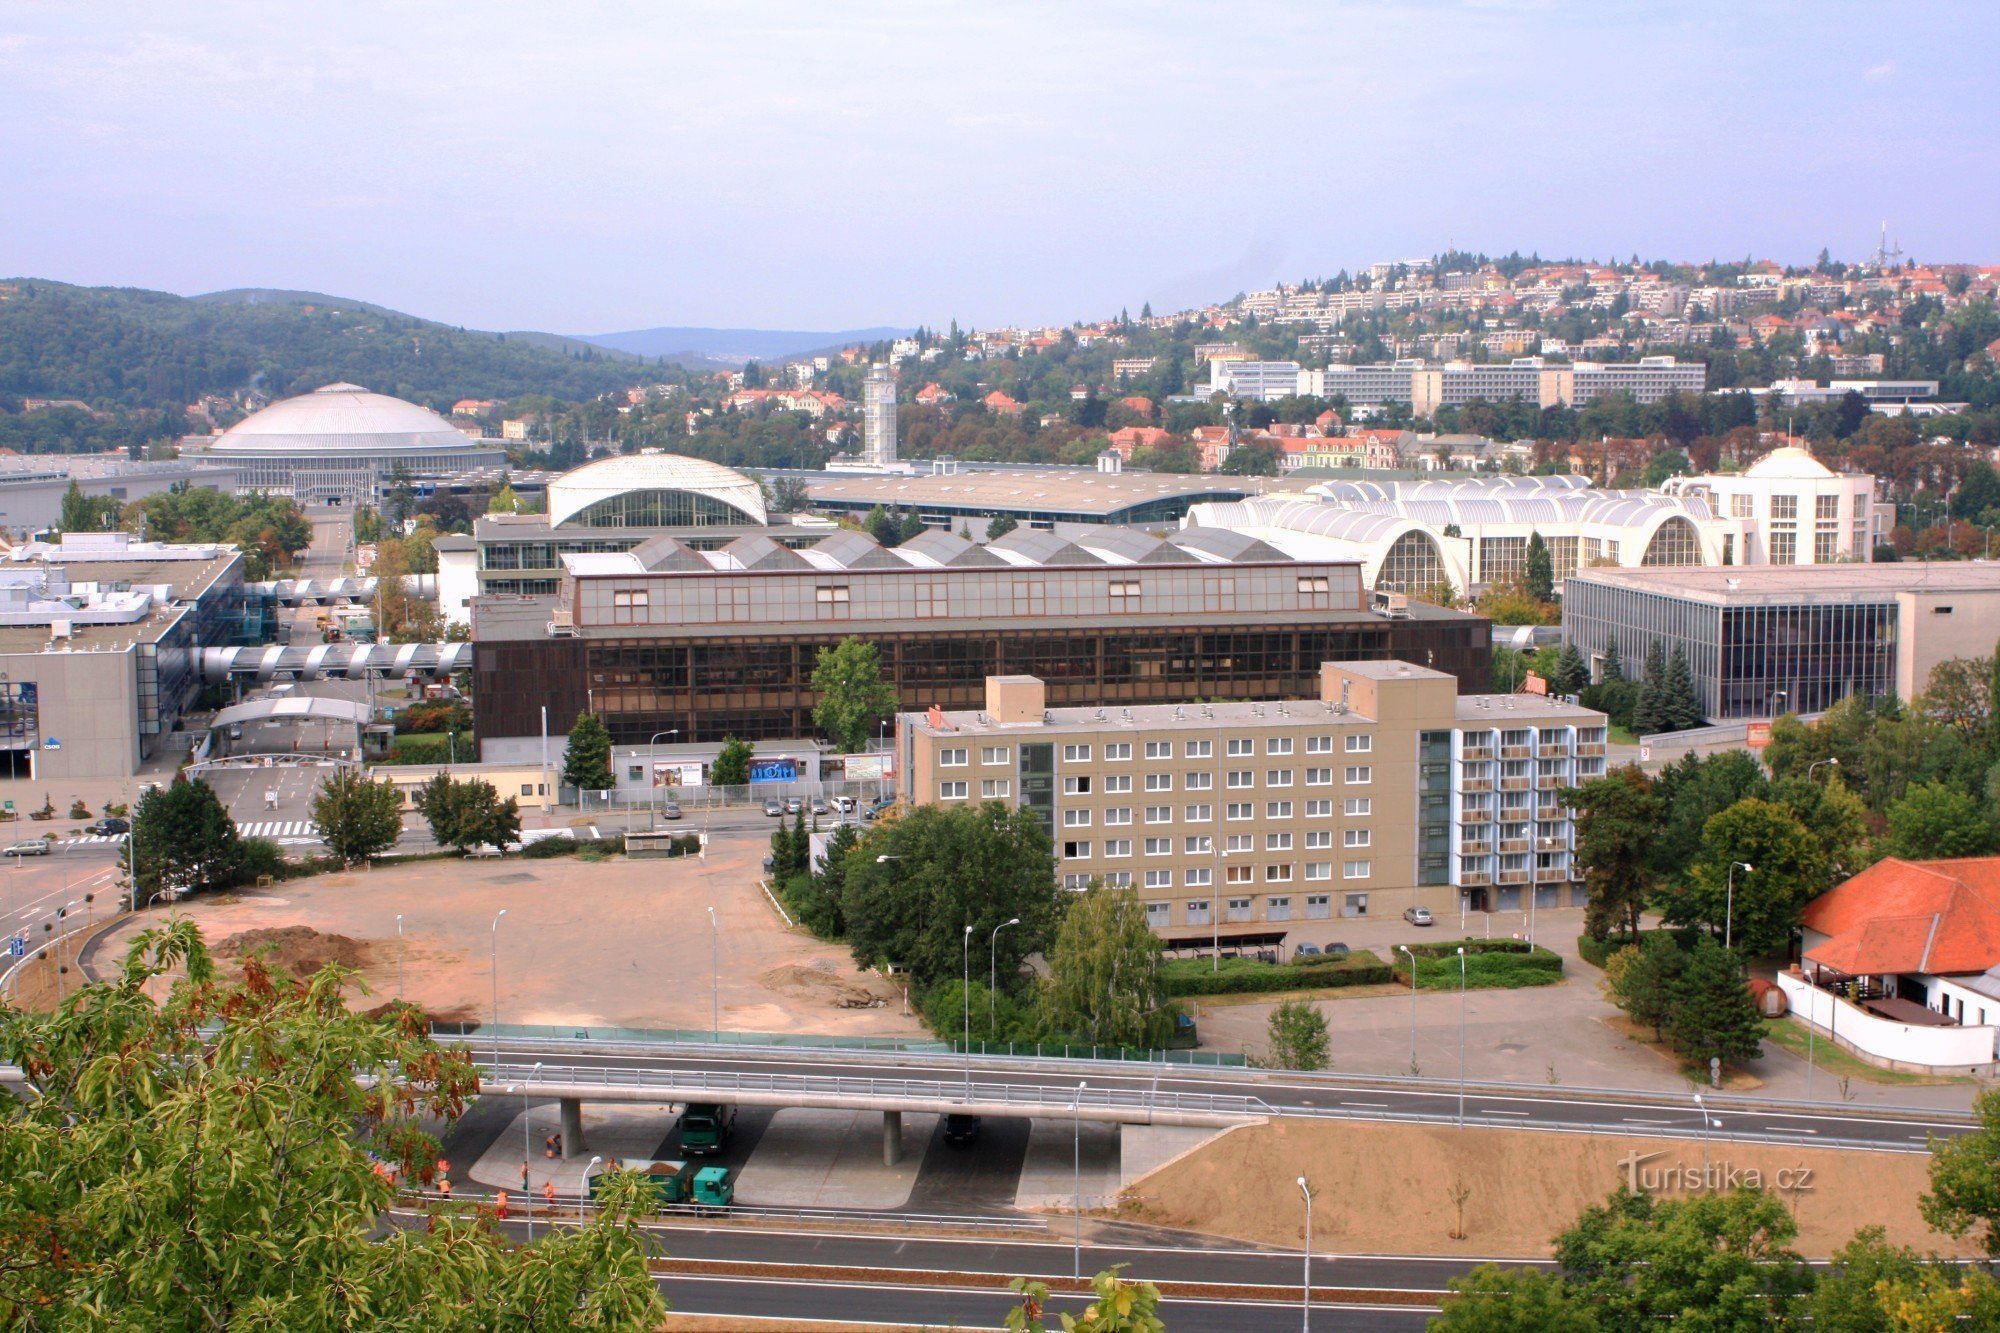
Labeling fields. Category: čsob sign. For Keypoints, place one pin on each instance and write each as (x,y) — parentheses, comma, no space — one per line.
(773,770)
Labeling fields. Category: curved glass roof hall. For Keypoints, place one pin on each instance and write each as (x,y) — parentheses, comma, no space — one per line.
(659,509)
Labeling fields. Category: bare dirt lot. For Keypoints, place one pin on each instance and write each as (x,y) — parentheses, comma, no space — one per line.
(1388,1189)
(612,944)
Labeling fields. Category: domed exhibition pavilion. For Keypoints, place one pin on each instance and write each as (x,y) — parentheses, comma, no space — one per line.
(342,444)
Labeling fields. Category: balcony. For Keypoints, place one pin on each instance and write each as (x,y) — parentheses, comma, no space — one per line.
(1475,849)
(1513,784)
(1476,785)
(1478,879)
(1551,876)
(1516,752)
(1553,750)
(1514,846)
(1476,752)
(1513,877)
(1514,814)
(1590,749)
(1552,844)
(1551,784)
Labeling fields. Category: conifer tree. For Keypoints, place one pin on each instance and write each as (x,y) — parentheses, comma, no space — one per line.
(1571,674)
(1614,665)
(1680,706)
(1716,1017)
(1541,576)
(1649,715)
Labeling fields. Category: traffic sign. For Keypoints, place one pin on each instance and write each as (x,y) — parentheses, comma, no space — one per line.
(17,946)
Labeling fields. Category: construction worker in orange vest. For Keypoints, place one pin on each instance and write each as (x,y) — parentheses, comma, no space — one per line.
(500,1205)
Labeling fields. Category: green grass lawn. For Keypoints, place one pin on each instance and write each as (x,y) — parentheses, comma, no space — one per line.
(1620,736)
(1834,1063)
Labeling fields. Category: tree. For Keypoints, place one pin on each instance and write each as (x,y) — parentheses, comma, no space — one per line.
(790,496)
(1000,525)
(1492,1299)
(1761,911)
(1876,1287)
(1935,821)
(1680,706)
(587,763)
(1252,460)
(732,764)
(468,814)
(1710,1262)
(211,1160)
(1965,1179)
(184,839)
(1691,793)
(820,909)
(1614,665)
(945,869)
(1572,673)
(1618,818)
(1715,1017)
(88,513)
(1958,695)
(1103,986)
(1647,984)
(1298,1040)
(1650,713)
(1120,1307)
(356,818)
(504,501)
(853,697)
(1541,570)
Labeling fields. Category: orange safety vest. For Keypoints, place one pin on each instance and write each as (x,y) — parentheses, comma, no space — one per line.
(549,1190)
(500,1205)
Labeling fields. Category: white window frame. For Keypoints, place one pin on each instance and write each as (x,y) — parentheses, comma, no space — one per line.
(956,757)
(1076,754)
(953,791)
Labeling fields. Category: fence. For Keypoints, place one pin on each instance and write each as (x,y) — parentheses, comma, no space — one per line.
(812,1041)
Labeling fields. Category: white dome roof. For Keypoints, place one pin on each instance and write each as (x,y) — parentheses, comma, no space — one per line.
(342,417)
(1790,463)
(577,490)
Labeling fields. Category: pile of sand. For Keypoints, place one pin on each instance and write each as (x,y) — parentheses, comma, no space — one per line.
(1391,1189)
(819,982)
(299,950)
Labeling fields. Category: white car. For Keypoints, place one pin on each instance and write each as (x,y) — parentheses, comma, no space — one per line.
(32,847)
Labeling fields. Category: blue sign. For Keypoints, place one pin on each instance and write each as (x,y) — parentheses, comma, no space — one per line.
(774,770)
(52,743)
(17,946)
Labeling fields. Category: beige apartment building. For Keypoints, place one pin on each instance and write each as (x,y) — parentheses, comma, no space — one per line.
(1247,823)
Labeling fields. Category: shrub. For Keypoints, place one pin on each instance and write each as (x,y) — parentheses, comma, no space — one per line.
(543,848)
(1247,976)
(1596,952)
(1492,964)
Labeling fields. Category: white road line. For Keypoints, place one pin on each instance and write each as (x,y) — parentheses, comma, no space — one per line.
(1375,1106)
(1634,1120)
(1791,1129)
(1489,1111)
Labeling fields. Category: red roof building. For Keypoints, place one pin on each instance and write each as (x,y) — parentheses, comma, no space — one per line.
(1000,403)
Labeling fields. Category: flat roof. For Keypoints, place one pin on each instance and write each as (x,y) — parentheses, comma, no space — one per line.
(92,638)
(1501,710)
(1726,585)
(1067,490)
(1151,717)
(188,579)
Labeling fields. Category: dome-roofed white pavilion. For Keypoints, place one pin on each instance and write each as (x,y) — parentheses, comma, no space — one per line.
(654,490)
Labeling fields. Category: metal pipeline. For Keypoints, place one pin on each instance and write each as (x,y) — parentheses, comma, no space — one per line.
(336,661)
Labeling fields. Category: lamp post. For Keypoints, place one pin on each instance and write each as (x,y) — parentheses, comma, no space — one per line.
(495,958)
(1729,902)
(965,993)
(583,1190)
(399,955)
(993,970)
(1076,1167)
(1216,873)
(653,773)
(1461,1036)
(527,1152)
(714,979)
(1306,1309)
(1835,761)
(1701,1109)
(1405,949)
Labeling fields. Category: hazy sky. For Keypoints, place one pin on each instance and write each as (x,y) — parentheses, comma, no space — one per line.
(588,167)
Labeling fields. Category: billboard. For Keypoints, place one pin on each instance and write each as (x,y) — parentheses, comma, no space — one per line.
(869,767)
(1758,735)
(677,773)
(773,770)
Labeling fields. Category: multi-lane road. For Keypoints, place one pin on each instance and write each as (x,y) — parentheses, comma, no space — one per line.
(735,1073)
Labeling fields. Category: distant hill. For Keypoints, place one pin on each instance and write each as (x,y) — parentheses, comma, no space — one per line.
(736,346)
(123,347)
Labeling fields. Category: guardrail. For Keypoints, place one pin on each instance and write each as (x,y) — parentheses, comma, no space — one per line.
(937,1090)
(485,1034)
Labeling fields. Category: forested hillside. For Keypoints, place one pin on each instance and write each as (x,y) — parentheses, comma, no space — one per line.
(127,348)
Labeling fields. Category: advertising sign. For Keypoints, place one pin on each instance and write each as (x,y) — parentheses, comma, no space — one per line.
(1759,735)
(677,773)
(773,770)
(870,767)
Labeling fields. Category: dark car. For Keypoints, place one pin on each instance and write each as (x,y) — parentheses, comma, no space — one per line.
(1307,950)
(960,1130)
(110,827)
(1337,950)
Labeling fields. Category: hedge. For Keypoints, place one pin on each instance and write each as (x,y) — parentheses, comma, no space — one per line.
(1489,964)
(1247,976)
(1597,952)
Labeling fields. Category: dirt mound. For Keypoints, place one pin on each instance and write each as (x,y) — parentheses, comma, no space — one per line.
(299,950)
(818,982)
(458,1013)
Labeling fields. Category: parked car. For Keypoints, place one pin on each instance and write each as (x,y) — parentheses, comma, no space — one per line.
(1307,950)
(670,810)
(818,807)
(32,847)
(844,804)
(1418,916)
(774,808)
(960,1130)
(110,828)
(793,805)
(1337,950)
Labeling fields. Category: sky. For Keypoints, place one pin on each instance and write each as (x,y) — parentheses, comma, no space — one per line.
(587,167)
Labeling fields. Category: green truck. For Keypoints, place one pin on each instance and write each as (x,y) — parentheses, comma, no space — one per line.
(672,1183)
(705,1128)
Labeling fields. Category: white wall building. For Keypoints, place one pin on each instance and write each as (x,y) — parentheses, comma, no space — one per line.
(878,415)
(1799,511)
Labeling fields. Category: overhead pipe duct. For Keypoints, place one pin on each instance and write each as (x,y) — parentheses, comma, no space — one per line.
(292,592)
(336,661)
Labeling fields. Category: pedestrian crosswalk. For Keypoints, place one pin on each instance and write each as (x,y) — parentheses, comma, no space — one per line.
(279,828)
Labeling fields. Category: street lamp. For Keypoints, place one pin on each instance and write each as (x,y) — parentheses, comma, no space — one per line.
(1306,1311)
(1729,901)
(1835,761)
(653,773)
(714,978)
(583,1190)
(887,857)
(993,970)
(1461,1036)
(1405,949)
(399,955)
(495,956)
(965,991)
(527,1151)
(1076,1167)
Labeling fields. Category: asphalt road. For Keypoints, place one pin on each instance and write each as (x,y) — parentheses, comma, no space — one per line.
(1321,1096)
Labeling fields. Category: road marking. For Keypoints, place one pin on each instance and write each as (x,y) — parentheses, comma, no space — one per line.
(1634,1120)
(1489,1111)
(1372,1106)
(1791,1129)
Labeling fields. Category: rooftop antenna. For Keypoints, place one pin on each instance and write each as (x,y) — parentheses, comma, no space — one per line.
(1888,251)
